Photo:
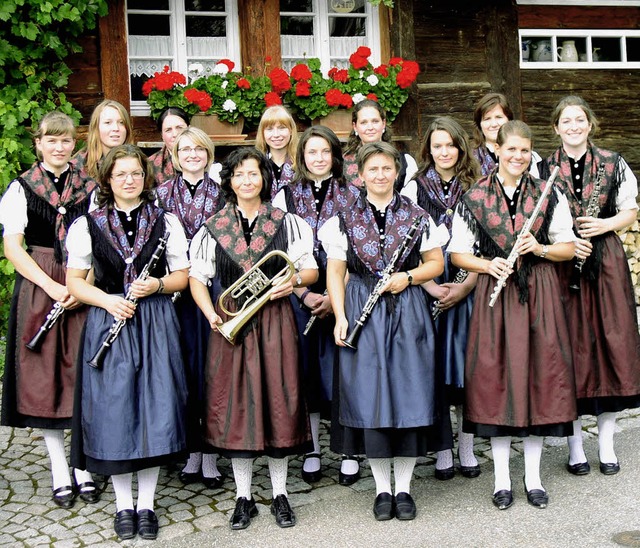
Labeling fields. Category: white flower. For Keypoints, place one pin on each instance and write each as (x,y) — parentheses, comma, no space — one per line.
(196,68)
(221,69)
(357,98)
(224,84)
(229,105)
(361,74)
(372,79)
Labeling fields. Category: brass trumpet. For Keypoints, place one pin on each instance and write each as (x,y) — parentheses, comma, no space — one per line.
(253,283)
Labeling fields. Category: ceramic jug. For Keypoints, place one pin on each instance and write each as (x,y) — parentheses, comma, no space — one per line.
(542,50)
(526,50)
(568,53)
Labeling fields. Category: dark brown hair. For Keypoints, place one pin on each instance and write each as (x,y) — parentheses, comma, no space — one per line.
(354,141)
(236,158)
(484,105)
(336,151)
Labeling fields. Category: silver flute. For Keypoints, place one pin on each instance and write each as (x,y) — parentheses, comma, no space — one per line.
(312,320)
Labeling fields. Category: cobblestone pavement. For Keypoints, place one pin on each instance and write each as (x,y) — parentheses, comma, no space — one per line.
(29,518)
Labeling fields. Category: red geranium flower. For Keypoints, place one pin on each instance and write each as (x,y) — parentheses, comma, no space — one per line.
(395,61)
(382,70)
(279,80)
(372,97)
(303,89)
(243,83)
(340,75)
(230,64)
(363,51)
(358,62)
(272,98)
(301,72)
(199,98)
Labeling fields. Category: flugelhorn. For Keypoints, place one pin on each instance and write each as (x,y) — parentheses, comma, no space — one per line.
(258,288)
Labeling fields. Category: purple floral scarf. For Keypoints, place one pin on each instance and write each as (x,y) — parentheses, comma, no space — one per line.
(440,206)
(286,177)
(487,163)
(162,165)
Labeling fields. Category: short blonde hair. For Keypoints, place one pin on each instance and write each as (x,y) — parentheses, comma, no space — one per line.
(277,114)
(55,123)
(200,138)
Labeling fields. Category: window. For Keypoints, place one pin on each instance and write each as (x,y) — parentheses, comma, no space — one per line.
(330,30)
(177,33)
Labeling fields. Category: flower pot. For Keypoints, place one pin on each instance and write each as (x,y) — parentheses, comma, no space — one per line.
(338,120)
(217,129)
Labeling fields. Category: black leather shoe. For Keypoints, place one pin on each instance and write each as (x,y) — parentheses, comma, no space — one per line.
(470,471)
(245,510)
(66,500)
(213,483)
(579,469)
(281,509)
(147,524)
(125,524)
(538,498)
(384,507)
(503,499)
(405,506)
(445,474)
(315,475)
(609,468)
(188,477)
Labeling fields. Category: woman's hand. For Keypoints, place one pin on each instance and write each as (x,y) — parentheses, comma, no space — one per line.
(214,321)
(282,289)
(119,307)
(397,283)
(588,227)
(56,291)
(498,267)
(583,249)
(320,305)
(340,330)
(141,289)
(438,292)
(456,293)
(70,303)
(528,244)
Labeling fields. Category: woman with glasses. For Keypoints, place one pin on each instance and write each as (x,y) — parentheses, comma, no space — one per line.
(193,197)
(130,412)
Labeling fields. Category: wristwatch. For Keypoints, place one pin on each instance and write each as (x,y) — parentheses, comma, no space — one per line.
(409,277)
(545,250)
(298,279)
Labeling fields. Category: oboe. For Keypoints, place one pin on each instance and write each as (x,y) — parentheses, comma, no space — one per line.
(592,210)
(117,325)
(52,317)
(352,338)
(459,278)
(312,320)
(513,256)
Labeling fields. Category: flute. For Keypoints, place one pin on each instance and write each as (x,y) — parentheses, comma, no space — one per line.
(52,317)
(513,256)
(312,320)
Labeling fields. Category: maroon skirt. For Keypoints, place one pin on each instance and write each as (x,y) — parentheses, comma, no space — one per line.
(39,386)
(604,331)
(518,373)
(254,398)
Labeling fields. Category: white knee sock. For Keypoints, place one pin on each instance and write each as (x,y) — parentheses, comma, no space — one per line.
(606,429)
(403,472)
(54,440)
(444,459)
(532,454)
(350,466)
(381,470)
(312,464)
(278,469)
(210,465)
(193,464)
(242,474)
(122,489)
(501,451)
(576,450)
(465,443)
(147,481)
(82,476)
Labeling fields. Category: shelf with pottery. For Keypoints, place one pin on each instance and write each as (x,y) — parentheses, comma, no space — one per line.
(579,49)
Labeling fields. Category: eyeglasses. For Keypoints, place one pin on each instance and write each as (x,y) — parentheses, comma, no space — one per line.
(191,150)
(122,177)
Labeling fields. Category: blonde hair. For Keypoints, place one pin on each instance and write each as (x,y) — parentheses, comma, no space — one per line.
(94,145)
(55,123)
(200,138)
(277,114)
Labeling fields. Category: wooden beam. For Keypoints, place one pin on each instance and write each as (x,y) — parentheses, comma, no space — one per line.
(259,33)
(114,64)
(578,17)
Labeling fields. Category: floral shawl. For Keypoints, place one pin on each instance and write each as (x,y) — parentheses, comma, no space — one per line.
(286,177)
(162,165)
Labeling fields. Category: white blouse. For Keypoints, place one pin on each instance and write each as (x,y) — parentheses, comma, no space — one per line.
(80,249)
(299,249)
(336,244)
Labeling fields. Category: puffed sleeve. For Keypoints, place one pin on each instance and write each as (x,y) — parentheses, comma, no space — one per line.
(333,240)
(410,190)
(412,168)
(462,238)
(561,225)
(79,248)
(534,170)
(177,245)
(300,245)
(438,236)
(628,191)
(280,200)
(203,256)
(13,210)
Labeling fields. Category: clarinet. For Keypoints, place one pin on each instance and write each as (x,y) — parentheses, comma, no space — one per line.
(97,360)
(592,210)
(459,278)
(312,320)
(52,317)
(352,338)
(513,256)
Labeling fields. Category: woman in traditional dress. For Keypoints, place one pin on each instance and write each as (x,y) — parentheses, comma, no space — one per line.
(491,113)
(518,375)
(193,197)
(387,386)
(448,170)
(369,122)
(255,404)
(37,209)
(130,411)
(601,307)
(316,196)
(171,123)
(277,138)
(109,127)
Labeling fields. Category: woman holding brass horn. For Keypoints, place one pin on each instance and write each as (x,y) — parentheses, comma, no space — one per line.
(130,412)
(518,374)
(193,196)
(602,191)
(255,404)
(387,386)
(37,209)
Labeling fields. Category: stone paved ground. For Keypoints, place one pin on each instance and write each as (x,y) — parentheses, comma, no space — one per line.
(29,518)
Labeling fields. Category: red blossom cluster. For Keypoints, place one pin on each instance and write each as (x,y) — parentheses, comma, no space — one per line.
(230,64)
(199,98)
(303,89)
(408,74)
(382,70)
(272,98)
(279,80)
(301,73)
(360,59)
(339,75)
(243,83)
(163,81)
(335,98)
